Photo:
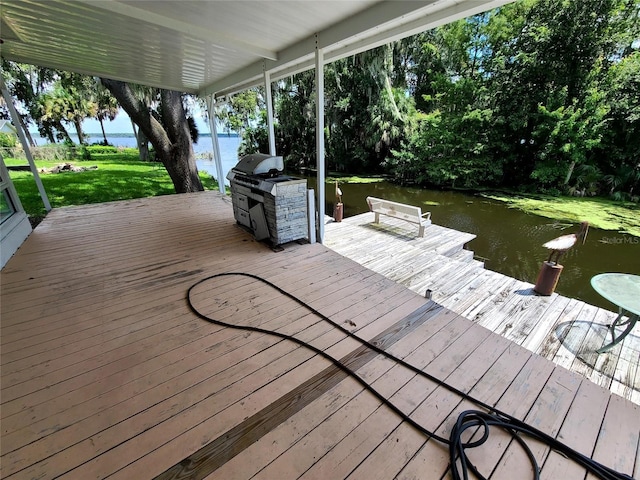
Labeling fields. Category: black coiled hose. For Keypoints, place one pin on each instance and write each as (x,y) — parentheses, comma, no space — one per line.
(484,420)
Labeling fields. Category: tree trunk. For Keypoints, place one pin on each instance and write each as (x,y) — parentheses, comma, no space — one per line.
(143,146)
(570,172)
(62,131)
(78,125)
(141,142)
(104,135)
(26,131)
(171,141)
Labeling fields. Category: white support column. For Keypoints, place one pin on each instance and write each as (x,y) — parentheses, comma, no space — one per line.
(311,211)
(269,99)
(214,141)
(320,139)
(25,144)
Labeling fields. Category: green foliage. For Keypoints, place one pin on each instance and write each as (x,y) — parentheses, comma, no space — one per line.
(96,149)
(7,140)
(536,95)
(242,111)
(295,127)
(55,98)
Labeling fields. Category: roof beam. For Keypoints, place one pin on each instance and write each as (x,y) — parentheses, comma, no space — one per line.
(383,23)
(455,12)
(371,18)
(216,37)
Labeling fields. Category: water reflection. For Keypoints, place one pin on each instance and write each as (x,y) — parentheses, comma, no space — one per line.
(509,240)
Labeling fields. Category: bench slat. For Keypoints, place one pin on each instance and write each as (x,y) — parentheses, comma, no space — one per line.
(402,211)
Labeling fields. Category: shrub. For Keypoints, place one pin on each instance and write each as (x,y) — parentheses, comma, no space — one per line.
(101,149)
(51,152)
(7,140)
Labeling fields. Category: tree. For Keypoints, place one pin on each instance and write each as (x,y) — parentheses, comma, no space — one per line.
(107,108)
(168,131)
(54,97)
(545,72)
(296,126)
(78,93)
(50,111)
(242,110)
(533,95)
(26,83)
(70,100)
(148,96)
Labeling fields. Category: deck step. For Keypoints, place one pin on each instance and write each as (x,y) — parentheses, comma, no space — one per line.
(463,255)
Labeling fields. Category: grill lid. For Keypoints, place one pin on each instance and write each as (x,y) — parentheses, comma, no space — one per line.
(260,163)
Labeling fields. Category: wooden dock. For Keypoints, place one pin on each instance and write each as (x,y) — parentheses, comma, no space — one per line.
(563,330)
(107,373)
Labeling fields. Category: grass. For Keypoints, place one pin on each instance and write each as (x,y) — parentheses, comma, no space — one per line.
(599,212)
(118,177)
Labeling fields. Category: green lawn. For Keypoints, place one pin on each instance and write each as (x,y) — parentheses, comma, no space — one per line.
(118,177)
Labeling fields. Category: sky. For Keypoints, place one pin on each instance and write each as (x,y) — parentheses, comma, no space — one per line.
(122,124)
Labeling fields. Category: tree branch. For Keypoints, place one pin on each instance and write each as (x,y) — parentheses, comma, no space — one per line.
(140,114)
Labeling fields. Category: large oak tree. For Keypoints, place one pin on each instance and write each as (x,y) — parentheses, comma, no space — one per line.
(168,132)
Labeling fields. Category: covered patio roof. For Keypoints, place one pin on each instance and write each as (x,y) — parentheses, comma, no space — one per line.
(215,48)
(106,372)
(209,47)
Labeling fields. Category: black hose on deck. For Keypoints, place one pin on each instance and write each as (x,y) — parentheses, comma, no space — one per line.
(484,420)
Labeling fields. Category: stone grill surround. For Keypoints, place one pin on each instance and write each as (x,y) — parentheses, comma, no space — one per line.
(286,211)
(284,203)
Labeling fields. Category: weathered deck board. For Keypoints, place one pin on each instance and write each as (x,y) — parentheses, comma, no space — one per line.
(563,330)
(106,373)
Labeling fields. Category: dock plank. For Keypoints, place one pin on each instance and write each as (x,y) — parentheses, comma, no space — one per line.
(564,330)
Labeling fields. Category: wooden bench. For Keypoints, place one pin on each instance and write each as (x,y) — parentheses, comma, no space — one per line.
(399,210)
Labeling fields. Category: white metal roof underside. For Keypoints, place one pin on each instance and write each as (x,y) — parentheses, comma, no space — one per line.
(209,46)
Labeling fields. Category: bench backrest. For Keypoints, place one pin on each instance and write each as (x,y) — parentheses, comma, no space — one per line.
(393,208)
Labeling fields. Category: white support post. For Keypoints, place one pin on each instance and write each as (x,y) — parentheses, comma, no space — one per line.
(320,139)
(311,212)
(25,145)
(216,145)
(269,99)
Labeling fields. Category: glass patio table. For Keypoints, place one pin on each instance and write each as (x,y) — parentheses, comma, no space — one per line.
(623,290)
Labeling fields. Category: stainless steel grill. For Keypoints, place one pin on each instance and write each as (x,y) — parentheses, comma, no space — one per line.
(271,205)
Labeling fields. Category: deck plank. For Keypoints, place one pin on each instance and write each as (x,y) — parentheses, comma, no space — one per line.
(578,431)
(619,437)
(106,371)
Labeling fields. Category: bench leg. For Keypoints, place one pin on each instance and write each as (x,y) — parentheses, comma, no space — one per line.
(421,231)
(377,220)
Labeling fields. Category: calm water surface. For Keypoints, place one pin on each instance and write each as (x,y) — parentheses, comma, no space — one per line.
(510,241)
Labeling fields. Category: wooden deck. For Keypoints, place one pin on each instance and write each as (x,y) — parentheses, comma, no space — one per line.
(563,330)
(106,373)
